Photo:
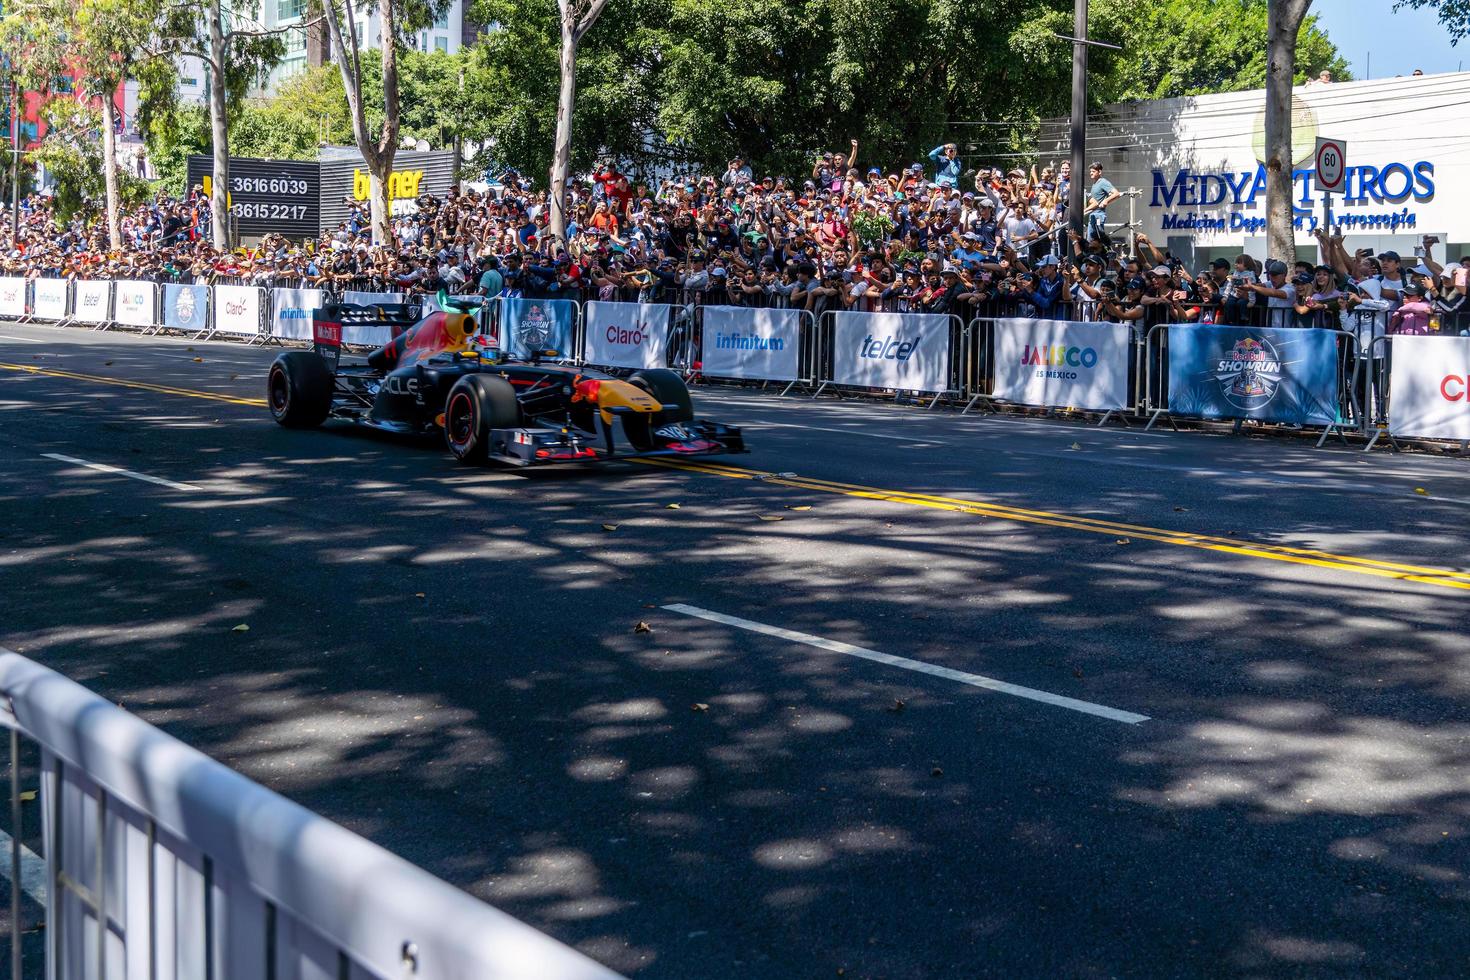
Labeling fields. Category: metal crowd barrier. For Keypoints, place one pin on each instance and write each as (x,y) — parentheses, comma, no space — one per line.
(160,862)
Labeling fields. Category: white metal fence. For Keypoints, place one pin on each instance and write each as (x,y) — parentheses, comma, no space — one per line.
(162,864)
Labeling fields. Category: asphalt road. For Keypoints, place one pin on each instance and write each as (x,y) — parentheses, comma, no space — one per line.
(445,660)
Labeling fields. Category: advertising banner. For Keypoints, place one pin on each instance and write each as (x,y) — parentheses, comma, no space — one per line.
(537,324)
(1429,387)
(1287,375)
(12,297)
(237,310)
(291,312)
(134,302)
(92,301)
(632,335)
(909,351)
(185,307)
(368,336)
(751,343)
(48,299)
(1059,363)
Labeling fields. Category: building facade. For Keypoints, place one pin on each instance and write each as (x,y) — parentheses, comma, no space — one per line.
(310,46)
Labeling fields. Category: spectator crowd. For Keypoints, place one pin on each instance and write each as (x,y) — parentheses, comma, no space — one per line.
(934,239)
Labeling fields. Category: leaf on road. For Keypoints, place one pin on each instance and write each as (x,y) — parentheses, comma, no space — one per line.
(699,706)
(798,506)
(198,360)
(671,506)
(897,705)
(1181,510)
(609,527)
(107,364)
(27,796)
(936,772)
(1421,490)
(642,627)
(418,595)
(242,628)
(1124,541)
(1076,445)
(772,517)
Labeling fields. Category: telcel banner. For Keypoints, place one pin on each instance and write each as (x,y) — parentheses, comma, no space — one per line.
(237,310)
(133,303)
(751,343)
(632,335)
(48,299)
(291,312)
(1429,387)
(1285,375)
(528,325)
(1060,363)
(12,297)
(909,351)
(91,301)
(368,336)
(185,307)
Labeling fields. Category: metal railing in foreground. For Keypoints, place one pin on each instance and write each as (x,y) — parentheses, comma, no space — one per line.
(162,863)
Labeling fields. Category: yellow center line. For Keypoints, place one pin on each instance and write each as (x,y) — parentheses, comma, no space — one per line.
(1443,577)
(141,385)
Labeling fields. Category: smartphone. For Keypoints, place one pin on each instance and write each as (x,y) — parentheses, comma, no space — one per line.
(1419,251)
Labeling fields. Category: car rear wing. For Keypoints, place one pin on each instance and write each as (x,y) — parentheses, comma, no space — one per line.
(327,323)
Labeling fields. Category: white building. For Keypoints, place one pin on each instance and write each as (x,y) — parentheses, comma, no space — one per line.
(310,47)
(1196,163)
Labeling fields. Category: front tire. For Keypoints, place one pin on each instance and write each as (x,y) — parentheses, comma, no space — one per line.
(477,405)
(667,388)
(299,389)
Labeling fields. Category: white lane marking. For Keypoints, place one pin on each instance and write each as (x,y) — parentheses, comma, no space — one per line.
(104,468)
(32,869)
(974,680)
(23,340)
(914,441)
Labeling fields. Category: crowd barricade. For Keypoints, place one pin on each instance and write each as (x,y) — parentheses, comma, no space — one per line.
(624,335)
(757,344)
(157,861)
(12,298)
(92,302)
(50,300)
(290,311)
(135,304)
(1421,387)
(239,311)
(1088,366)
(899,352)
(368,336)
(1292,375)
(525,326)
(186,308)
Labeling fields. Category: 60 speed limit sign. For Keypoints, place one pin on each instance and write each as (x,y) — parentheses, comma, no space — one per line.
(1331,172)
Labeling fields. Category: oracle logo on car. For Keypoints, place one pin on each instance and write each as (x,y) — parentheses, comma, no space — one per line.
(627,337)
(888,348)
(1456,387)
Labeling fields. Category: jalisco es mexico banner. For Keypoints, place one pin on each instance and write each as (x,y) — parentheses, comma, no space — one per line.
(1429,387)
(48,299)
(762,344)
(1287,375)
(1061,363)
(907,351)
(632,335)
(134,302)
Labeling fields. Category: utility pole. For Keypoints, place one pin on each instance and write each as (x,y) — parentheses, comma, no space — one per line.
(1077,198)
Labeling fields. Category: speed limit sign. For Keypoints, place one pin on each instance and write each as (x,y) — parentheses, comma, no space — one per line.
(1331,172)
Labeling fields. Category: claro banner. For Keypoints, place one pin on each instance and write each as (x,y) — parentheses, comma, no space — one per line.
(48,299)
(1060,363)
(751,343)
(1246,373)
(12,297)
(631,335)
(1429,387)
(291,312)
(134,303)
(237,310)
(909,351)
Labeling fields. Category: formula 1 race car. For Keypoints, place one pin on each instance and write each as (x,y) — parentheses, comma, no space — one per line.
(438,372)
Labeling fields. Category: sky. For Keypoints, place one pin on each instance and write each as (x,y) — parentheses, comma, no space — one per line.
(1379,42)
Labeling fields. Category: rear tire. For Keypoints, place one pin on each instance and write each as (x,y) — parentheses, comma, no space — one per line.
(667,388)
(478,404)
(299,389)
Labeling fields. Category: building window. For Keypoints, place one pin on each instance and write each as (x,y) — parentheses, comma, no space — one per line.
(442,20)
(289,9)
(441,44)
(295,42)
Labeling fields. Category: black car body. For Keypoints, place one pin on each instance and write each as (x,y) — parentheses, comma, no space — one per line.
(438,372)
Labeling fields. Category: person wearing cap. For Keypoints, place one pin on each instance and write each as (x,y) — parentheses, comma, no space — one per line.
(1099,196)
(1279,294)
(1045,291)
(1127,308)
(1412,316)
(1084,291)
(737,174)
(947,165)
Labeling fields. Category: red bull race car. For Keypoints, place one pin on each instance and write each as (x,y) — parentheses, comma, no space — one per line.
(439,372)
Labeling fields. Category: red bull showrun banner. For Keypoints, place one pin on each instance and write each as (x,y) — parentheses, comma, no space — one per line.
(529,326)
(1283,375)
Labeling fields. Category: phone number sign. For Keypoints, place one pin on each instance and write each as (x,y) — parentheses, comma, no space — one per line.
(281,197)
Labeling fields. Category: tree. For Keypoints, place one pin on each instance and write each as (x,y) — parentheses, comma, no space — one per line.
(72,154)
(1283,23)
(577,18)
(103,43)
(377,154)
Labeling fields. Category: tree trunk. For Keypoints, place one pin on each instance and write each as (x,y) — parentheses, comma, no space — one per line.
(377,156)
(1283,22)
(219,125)
(109,170)
(561,160)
